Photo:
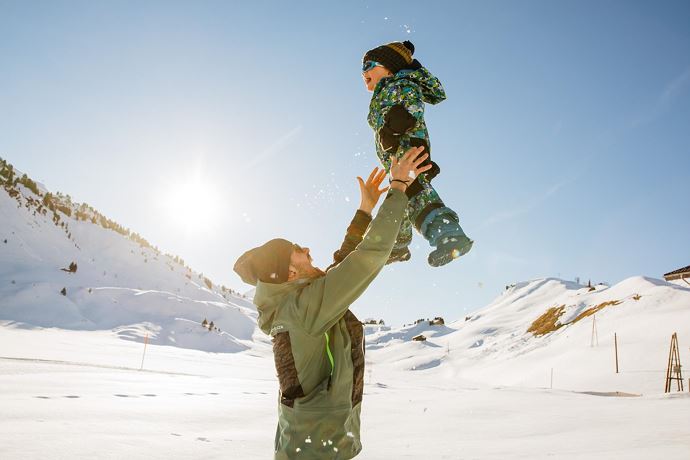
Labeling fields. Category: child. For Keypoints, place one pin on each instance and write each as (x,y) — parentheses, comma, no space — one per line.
(400,87)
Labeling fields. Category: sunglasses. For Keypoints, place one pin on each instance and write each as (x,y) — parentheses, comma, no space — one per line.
(368,65)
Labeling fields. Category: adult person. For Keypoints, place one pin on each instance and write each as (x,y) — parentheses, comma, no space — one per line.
(318,343)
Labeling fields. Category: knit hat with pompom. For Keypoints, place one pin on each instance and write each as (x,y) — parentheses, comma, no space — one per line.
(394,56)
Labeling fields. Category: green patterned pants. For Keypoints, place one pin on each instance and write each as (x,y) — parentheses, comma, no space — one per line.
(418,204)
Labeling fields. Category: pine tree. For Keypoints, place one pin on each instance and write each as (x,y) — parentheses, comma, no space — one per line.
(10,174)
(28,183)
(64,291)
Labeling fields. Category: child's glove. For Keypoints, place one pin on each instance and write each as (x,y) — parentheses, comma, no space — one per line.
(396,123)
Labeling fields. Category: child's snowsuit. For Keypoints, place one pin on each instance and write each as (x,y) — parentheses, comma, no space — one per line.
(396,114)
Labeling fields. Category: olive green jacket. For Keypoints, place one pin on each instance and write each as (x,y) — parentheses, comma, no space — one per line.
(318,345)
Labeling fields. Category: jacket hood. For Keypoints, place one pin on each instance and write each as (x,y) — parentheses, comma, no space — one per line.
(432,90)
(270,297)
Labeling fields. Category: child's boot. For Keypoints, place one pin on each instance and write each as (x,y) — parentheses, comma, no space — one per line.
(449,249)
(401,250)
(399,255)
(442,229)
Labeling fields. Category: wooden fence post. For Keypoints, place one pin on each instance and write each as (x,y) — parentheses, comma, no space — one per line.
(146,341)
(615,340)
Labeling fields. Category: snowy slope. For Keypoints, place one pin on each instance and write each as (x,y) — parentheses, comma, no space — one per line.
(121,283)
(493,347)
(480,387)
(79,394)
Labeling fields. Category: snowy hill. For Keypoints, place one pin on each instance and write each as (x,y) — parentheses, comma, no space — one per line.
(547,324)
(74,284)
(65,265)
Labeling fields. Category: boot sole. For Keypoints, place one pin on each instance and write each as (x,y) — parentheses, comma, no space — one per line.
(440,258)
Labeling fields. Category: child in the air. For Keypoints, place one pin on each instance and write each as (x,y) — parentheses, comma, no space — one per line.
(400,87)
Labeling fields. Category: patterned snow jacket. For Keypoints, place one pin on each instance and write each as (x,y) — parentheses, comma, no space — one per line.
(396,114)
(318,344)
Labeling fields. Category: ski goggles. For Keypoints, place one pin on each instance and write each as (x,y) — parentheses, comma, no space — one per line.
(368,65)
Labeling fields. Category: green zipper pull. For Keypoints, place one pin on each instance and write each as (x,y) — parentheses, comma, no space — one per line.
(330,358)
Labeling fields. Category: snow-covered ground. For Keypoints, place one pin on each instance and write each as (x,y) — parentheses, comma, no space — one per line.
(73,384)
(80,394)
(118,284)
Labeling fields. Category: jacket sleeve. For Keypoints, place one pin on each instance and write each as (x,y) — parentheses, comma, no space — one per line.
(399,120)
(353,236)
(323,302)
(406,109)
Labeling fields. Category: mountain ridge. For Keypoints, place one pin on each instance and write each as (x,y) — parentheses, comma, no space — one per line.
(66,265)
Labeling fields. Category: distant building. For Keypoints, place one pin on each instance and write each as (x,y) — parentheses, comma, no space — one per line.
(419,338)
(680,274)
(379,322)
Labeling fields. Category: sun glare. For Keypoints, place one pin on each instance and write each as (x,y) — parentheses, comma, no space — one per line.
(193,206)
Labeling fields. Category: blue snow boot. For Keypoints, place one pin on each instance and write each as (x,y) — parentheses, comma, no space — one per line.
(442,229)
(449,249)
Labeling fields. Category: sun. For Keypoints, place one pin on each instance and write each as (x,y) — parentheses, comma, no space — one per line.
(193,206)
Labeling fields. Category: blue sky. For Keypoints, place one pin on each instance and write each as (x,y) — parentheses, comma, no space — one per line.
(564,143)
